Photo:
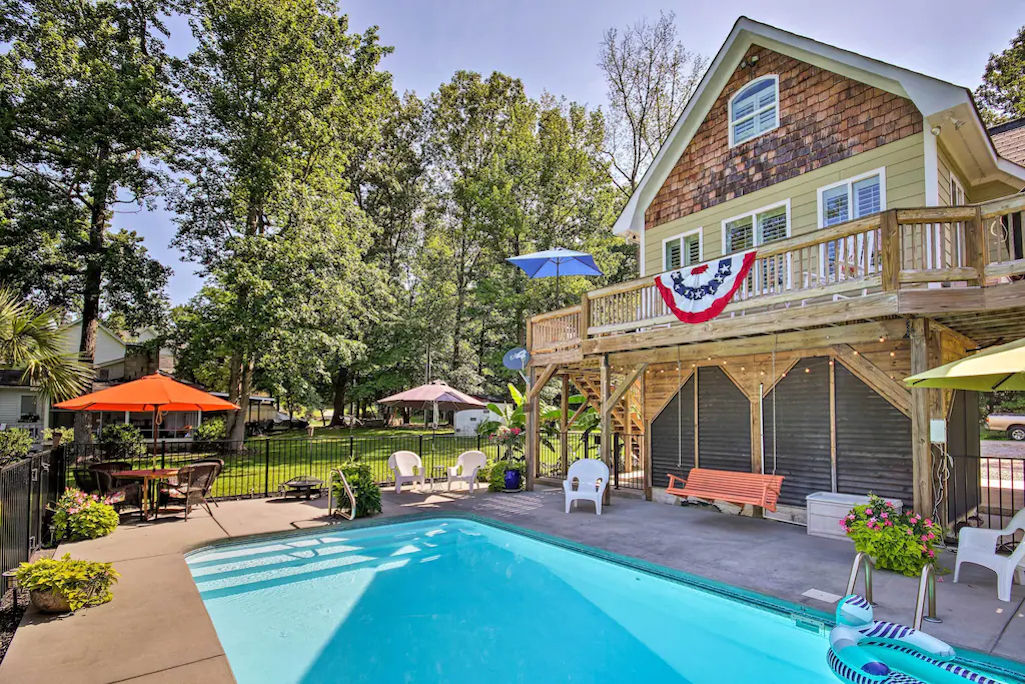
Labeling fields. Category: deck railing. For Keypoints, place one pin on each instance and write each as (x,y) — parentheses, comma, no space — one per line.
(895,249)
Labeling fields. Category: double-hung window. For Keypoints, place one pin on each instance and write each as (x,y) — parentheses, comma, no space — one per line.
(754,109)
(759,228)
(847,200)
(682,250)
(958,198)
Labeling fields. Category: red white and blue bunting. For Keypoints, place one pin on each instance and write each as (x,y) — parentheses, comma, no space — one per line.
(699,293)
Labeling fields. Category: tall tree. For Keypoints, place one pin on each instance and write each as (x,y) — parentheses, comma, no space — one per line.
(1002,93)
(282,95)
(650,77)
(86,110)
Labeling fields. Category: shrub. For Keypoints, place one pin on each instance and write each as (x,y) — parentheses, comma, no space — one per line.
(14,444)
(212,430)
(81,583)
(78,515)
(121,441)
(902,542)
(364,488)
(496,476)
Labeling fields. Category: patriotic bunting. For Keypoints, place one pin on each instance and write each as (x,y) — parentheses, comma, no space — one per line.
(699,293)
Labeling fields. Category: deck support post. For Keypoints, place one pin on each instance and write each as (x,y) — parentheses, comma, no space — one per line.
(921,449)
(564,427)
(606,424)
(532,416)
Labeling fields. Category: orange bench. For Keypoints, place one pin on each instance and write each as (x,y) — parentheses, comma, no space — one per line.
(724,485)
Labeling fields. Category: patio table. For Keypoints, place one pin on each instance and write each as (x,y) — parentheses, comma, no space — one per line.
(149,479)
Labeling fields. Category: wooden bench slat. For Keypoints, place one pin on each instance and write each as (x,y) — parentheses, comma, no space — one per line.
(733,487)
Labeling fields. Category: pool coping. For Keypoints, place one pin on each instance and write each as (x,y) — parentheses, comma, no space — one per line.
(814,618)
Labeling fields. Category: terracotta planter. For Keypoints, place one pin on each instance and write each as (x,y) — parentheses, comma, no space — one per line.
(49,602)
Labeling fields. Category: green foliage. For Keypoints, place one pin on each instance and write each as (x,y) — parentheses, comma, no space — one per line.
(88,107)
(82,583)
(31,342)
(121,441)
(14,444)
(364,488)
(211,429)
(1002,94)
(78,515)
(496,474)
(904,542)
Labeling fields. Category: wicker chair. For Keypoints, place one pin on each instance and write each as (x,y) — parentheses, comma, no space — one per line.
(121,492)
(193,487)
(86,480)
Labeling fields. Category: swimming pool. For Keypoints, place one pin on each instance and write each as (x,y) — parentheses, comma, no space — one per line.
(456,600)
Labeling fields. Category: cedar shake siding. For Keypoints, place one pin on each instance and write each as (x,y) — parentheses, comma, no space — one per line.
(824,118)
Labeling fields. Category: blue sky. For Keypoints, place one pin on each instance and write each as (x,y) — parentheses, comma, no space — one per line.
(552,45)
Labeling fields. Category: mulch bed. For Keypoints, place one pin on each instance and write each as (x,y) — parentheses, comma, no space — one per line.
(9,619)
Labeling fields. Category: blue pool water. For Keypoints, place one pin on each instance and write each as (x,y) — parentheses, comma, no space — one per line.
(452,600)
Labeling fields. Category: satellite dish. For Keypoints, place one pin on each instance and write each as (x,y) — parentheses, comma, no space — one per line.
(516,359)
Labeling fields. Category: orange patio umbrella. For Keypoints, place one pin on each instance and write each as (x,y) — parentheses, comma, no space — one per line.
(157,393)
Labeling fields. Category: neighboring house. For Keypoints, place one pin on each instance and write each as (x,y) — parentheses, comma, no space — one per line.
(1009,139)
(872,194)
(116,360)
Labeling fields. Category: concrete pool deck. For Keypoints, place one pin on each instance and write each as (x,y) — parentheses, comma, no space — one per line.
(156,630)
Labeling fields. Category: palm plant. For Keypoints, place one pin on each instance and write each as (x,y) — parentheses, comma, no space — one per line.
(30,342)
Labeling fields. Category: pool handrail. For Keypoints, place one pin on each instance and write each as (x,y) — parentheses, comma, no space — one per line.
(351,515)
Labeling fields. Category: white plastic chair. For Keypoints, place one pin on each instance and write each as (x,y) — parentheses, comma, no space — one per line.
(408,467)
(470,462)
(979,547)
(592,476)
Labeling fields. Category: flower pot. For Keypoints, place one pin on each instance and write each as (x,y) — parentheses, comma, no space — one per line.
(55,441)
(49,601)
(513,479)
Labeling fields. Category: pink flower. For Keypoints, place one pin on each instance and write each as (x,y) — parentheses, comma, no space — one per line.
(925,538)
(931,536)
(884,515)
(868,511)
(889,523)
(932,554)
(928,522)
(910,532)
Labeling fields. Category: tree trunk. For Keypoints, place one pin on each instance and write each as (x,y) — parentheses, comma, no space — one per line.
(341,384)
(242,390)
(91,298)
(234,393)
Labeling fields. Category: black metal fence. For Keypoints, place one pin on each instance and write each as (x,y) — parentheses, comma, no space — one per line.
(629,470)
(982,492)
(261,467)
(27,489)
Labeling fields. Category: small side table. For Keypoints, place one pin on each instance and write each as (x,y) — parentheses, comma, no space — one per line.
(437,471)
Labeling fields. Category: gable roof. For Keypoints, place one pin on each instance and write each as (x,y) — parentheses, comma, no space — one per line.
(942,104)
(1009,139)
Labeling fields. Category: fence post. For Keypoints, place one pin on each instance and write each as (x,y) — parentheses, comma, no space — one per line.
(615,458)
(163,454)
(266,467)
(352,448)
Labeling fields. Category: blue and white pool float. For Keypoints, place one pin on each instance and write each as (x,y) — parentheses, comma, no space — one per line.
(863,651)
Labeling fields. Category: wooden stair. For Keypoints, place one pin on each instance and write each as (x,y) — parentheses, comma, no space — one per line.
(589,385)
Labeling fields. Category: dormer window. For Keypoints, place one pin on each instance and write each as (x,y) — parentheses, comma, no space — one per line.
(754,110)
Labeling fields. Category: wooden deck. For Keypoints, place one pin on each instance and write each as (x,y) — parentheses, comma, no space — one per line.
(958,265)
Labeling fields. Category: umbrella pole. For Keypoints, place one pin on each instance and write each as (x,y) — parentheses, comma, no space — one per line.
(556,284)
(155,412)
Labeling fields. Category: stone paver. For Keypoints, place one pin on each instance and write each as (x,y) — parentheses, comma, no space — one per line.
(156,630)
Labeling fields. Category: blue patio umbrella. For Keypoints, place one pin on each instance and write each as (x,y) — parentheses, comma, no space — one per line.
(556,262)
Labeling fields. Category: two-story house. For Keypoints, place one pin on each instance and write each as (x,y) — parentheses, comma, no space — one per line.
(888,239)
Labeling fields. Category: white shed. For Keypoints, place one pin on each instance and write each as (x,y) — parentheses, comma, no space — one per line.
(466,422)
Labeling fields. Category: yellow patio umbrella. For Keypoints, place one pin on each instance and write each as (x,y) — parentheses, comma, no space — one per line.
(997,368)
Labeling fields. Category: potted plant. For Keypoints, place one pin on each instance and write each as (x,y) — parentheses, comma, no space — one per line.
(902,542)
(59,434)
(78,515)
(507,473)
(60,586)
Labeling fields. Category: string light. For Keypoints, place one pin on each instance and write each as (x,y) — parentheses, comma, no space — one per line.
(807,370)
(856,353)
(893,354)
(882,339)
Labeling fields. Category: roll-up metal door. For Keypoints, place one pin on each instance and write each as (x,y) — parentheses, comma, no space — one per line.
(724,423)
(802,426)
(873,442)
(672,437)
